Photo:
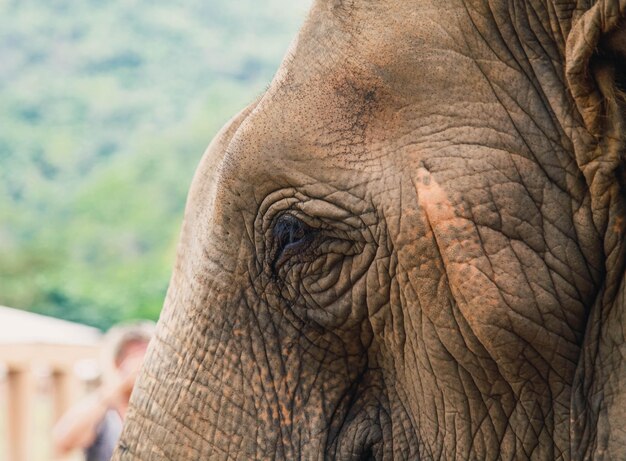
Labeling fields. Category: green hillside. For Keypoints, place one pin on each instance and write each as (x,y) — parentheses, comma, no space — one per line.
(105,110)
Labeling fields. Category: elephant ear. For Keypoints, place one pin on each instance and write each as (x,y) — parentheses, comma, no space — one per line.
(596,66)
(596,77)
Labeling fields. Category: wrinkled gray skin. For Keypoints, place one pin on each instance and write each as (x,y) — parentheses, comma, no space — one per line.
(411,247)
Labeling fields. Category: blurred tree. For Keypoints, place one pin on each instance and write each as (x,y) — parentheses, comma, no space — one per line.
(105,109)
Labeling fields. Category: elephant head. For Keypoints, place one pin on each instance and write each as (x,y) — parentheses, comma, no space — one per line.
(410,247)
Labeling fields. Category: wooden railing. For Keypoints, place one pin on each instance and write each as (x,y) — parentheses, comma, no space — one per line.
(20,363)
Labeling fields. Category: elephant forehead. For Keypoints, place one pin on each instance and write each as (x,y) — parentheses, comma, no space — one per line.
(355,127)
(344,97)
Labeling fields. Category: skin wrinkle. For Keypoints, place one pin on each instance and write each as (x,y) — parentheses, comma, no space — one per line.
(501,40)
(520,136)
(427,206)
(537,89)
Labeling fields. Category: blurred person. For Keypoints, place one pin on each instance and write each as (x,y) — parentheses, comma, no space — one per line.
(95,423)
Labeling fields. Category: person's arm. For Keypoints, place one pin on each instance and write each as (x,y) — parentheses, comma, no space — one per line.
(78,427)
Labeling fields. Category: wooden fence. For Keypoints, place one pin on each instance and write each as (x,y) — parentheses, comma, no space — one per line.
(33,348)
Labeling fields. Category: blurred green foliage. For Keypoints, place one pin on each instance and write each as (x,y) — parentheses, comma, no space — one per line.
(105,110)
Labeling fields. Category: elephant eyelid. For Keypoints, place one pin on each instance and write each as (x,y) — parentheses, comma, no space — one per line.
(290,236)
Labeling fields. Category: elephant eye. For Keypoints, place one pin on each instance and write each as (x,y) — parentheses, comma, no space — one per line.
(290,235)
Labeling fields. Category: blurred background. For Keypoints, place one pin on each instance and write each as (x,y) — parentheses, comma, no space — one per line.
(105,110)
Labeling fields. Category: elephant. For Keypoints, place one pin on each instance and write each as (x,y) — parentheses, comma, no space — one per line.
(411,246)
